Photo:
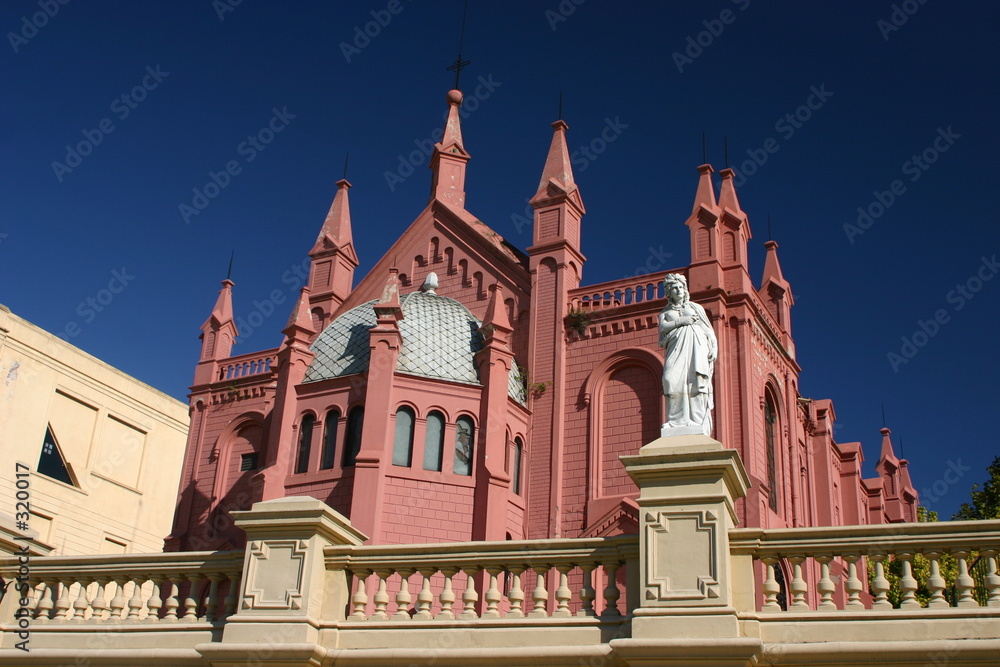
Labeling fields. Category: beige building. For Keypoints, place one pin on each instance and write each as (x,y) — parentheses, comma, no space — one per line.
(104,449)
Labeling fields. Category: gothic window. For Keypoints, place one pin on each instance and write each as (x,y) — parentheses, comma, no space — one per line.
(434,441)
(770,428)
(465,432)
(51,462)
(352,443)
(515,466)
(402,444)
(329,439)
(305,443)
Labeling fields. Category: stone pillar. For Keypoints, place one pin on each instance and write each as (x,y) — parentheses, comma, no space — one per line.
(688,487)
(286,589)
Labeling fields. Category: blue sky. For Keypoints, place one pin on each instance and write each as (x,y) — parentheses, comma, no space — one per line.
(117,114)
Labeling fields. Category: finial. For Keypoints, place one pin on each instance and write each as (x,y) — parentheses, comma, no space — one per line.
(229,272)
(883,415)
(770,239)
(704,150)
(347,156)
(459,64)
(726,142)
(430,284)
(560,106)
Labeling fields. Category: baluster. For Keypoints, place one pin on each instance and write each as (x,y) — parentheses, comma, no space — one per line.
(935,582)
(447,596)
(539,596)
(135,602)
(425,598)
(492,595)
(192,599)
(155,600)
(360,598)
(797,587)
(172,590)
(516,594)
(232,595)
(469,596)
(880,585)
(964,583)
(381,596)
(212,601)
(403,597)
(100,603)
(771,587)
(992,579)
(825,585)
(62,603)
(118,600)
(907,584)
(563,593)
(81,605)
(611,592)
(43,610)
(587,592)
(853,585)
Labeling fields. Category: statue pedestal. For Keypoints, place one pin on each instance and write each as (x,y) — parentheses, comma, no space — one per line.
(688,487)
(668,431)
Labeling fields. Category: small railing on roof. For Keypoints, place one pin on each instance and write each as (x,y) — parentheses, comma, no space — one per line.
(254,364)
(618,293)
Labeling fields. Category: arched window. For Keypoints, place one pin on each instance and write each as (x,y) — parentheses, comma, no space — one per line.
(402,444)
(352,443)
(770,435)
(434,441)
(515,466)
(305,443)
(465,434)
(329,439)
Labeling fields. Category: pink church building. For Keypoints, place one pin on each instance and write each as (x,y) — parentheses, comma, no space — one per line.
(492,399)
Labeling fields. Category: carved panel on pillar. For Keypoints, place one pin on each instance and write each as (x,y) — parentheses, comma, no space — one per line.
(274,575)
(681,556)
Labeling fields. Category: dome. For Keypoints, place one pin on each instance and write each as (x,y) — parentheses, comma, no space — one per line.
(440,340)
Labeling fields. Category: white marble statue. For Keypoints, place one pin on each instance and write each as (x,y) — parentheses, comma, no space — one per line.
(687,336)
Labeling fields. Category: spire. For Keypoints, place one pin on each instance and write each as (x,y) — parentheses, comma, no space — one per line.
(727,193)
(887,455)
(705,195)
(336,231)
(217,336)
(450,158)
(331,275)
(557,173)
(772,271)
(300,319)
(223,311)
(496,320)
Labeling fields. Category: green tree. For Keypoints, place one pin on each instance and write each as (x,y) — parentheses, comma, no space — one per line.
(985,498)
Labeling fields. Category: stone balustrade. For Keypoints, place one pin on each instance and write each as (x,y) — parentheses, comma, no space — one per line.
(614,294)
(528,579)
(148,588)
(848,568)
(248,364)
